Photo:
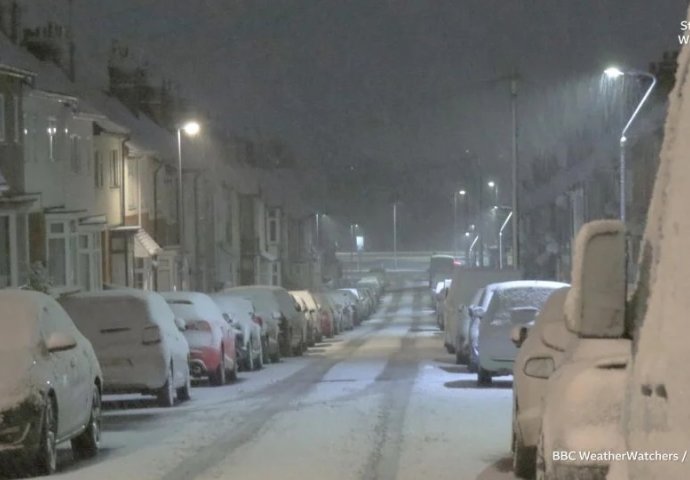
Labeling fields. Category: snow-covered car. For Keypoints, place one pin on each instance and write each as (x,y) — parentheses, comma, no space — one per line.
(241,314)
(539,351)
(584,396)
(362,304)
(439,299)
(655,411)
(211,338)
(440,267)
(512,304)
(466,290)
(138,342)
(285,327)
(350,301)
(50,385)
(327,314)
(373,283)
(310,308)
(343,310)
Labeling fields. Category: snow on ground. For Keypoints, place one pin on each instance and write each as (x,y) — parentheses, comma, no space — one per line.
(383,401)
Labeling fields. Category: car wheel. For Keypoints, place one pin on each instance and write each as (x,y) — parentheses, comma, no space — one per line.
(235,368)
(259,363)
(461,357)
(166,395)
(87,444)
(185,393)
(524,459)
(484,377)
(249,361)
(217,378)
(275,356)
(45,460)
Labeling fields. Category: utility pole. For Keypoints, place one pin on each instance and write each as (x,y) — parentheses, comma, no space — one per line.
(454,244)
(516,211)
(395,234)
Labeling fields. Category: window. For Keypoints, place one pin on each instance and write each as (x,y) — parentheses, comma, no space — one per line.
(132,188)
(275,274)
(114,169)
(17,123)
(5,253)
(62,253)
(273,227)
(98,169)
(90,277)
(2,118)
(74,154)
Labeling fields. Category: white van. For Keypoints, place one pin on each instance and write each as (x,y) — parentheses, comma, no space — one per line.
(465,291)
(138,342)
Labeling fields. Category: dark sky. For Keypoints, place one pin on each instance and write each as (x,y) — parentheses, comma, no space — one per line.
(396,89)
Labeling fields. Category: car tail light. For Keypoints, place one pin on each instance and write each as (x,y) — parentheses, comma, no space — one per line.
(258,320)
(151,335)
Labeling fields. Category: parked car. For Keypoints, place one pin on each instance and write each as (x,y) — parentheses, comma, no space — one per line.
(512,304)
(311,307)
(350,300)
(441,266)
(466,290)
(362,304)
(342,312)
(373,283)
(50,385)
(211,337)
(439,299)
(584,396)
(540,350)
(326,314)
(241,314)
(138,342)
(284,327)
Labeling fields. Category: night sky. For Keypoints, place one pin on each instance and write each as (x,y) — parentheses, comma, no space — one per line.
(382,97)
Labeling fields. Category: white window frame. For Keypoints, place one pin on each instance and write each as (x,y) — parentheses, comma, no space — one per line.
(70,235)
(17,117)
(98,170)
(273,218)
(75,153)
(3,118)
(14,261)
(115,168)
(94,252)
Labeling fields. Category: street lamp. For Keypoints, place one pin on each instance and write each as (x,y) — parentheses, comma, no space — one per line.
(191,129)
(491,184)
(614,73)
(462,193)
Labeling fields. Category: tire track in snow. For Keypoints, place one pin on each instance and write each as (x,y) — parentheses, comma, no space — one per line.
(279,398)
(396,383)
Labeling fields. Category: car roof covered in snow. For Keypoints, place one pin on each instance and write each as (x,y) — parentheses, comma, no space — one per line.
(233,305)
(193,306)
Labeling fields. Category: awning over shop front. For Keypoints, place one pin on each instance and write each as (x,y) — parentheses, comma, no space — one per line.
(145,245)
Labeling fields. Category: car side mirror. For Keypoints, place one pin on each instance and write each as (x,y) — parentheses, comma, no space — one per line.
(227,317)
(60,342)
(518,335)
(595,304)
(180,324)
(477,312)
(539,367)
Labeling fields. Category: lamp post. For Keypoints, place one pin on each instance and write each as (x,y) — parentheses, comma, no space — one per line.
(191,129)
(614,73)
(462,194)
(395,234)
(492,185)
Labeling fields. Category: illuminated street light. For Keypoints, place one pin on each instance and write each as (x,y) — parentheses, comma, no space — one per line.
(462,193)
(614,73)
(191,128)
(491,184)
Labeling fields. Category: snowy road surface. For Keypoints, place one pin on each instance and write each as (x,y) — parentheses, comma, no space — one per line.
(381,402)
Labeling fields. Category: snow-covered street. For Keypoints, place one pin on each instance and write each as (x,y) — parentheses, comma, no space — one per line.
(383,401)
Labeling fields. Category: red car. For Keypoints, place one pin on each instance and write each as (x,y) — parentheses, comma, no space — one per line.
(211,337)
(326,315)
